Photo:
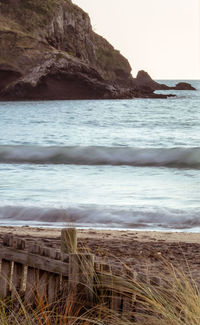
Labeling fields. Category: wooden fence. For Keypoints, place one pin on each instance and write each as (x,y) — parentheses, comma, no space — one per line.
(49,273)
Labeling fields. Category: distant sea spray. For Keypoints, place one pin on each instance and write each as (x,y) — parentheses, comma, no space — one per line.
(99,155)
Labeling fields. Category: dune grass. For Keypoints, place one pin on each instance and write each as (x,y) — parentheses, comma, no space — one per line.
(174,301)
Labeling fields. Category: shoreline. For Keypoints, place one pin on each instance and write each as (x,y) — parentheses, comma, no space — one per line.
(146,253)
(95,233)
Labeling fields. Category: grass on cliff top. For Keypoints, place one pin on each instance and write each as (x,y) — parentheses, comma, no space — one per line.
(109,60)
(30,14)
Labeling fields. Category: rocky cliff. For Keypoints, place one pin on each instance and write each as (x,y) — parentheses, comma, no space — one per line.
(48,50)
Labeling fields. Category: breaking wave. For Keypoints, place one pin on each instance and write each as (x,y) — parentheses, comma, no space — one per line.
(94,155)
(100,216)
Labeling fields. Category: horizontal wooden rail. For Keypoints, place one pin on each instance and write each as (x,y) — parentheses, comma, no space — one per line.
(32,260)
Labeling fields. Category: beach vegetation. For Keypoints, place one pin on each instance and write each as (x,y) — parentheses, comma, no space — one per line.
(175,300)
(31,15)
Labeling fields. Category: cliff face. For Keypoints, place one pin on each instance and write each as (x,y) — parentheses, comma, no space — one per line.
(48,50)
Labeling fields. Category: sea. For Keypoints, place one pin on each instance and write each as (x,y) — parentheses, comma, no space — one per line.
(104,164)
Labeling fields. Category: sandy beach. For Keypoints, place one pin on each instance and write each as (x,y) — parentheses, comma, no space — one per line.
(142,251)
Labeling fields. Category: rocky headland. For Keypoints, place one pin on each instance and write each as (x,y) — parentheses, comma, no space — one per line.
(144,79)
(48,50)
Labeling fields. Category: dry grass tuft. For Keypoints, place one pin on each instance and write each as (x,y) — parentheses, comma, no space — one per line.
(173,301)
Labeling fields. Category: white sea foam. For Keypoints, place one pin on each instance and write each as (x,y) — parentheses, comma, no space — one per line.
(94,155)
(99,216)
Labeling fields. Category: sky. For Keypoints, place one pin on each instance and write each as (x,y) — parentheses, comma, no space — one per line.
(158,36)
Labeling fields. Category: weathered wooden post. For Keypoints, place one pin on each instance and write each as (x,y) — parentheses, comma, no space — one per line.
(6,270)
(81,275)
(54,281)
(68,241)
(32,277)
(68,246)
(44,276)
(116,299)
(81,266)
(142,278)
(19,270)
(104,280)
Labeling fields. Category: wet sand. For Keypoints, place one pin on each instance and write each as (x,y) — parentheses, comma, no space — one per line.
(142,251)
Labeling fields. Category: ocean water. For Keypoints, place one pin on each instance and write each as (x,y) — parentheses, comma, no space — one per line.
(125,164)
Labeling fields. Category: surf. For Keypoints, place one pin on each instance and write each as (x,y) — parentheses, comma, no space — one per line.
(99,155)
(101,216)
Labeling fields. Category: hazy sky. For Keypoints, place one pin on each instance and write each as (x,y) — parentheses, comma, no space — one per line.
(159,36)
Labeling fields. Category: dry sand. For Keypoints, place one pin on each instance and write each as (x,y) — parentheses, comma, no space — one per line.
(140,250)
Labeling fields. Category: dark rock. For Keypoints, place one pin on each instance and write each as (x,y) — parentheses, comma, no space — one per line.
(184,86)
(146,92)
(144,79)
(63,78)
(7,76)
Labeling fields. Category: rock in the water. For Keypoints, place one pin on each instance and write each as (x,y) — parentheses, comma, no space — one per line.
(184,86)
(144,79)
